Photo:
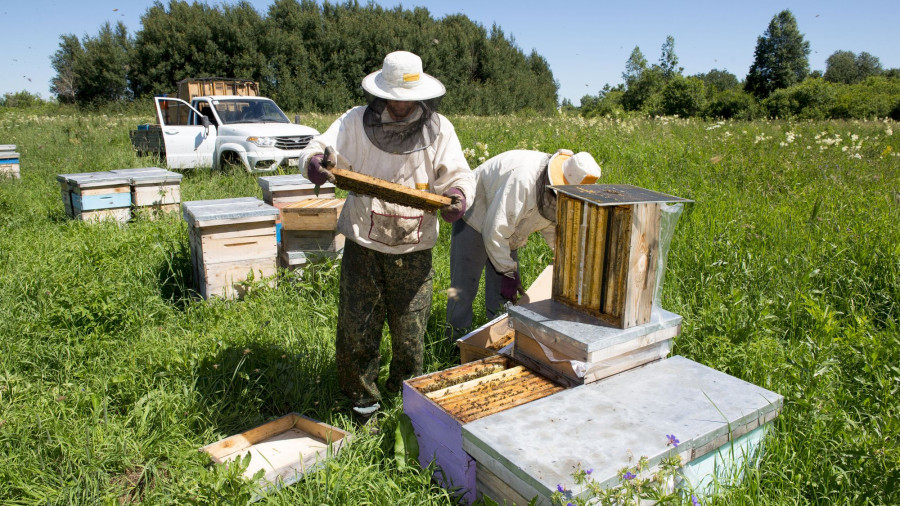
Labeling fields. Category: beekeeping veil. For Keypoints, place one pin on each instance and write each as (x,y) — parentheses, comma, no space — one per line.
(401,79)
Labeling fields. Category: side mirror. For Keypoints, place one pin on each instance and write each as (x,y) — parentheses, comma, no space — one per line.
(297,119)
(204,121)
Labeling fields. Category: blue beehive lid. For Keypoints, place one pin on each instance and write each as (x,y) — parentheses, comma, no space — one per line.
(8,156)
(199,213)
(607,425)
(146,175)
(93,179)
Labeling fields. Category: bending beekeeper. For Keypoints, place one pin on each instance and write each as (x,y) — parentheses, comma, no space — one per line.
(513,199)
(386,272)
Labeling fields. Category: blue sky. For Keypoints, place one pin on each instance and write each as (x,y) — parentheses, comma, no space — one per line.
(585,42)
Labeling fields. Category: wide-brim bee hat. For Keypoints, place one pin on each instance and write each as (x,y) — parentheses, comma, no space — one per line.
(401,78)
(568,168)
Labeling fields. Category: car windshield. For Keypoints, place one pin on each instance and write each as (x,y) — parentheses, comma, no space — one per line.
(243,110)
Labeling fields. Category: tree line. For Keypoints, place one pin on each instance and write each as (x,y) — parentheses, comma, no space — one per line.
(306,56)
(779,84)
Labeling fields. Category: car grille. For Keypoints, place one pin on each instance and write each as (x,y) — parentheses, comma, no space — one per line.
(293,141)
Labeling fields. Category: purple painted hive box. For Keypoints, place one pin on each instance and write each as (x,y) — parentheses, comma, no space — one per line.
(441,403)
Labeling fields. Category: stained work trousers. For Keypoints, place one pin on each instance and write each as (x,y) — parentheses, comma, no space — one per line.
(377,287)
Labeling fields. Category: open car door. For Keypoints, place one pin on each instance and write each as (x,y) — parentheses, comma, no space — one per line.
(187,146)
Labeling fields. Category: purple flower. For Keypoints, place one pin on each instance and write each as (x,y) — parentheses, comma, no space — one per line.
(695,501)
(629,476)
(570,504)
(672,440)
(560,489)
(589,471)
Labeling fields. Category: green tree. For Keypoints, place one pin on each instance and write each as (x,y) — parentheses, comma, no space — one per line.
(719,80)
(63,62)
(100,69)
(668,60)
(684,96)
(781,58)
(840,67)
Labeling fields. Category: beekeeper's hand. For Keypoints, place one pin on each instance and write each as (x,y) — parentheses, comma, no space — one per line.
(455,210)
(511,286)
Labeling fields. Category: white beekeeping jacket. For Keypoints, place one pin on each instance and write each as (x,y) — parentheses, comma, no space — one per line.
(505,209)
(383,226)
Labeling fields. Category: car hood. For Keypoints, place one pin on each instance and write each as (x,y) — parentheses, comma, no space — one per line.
(266,129)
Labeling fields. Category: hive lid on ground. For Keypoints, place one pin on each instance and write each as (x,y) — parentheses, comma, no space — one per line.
(8,155)
(284,449)
(287,182)
(202,212)
(616,194)
(92,179)
(7,147)
(607,425)
(145,175)
(553,322)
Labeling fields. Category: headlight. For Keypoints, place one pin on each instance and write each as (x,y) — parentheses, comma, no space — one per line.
(263,142)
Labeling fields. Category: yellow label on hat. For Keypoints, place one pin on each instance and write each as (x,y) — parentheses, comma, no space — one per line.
(408,78)
(421,186)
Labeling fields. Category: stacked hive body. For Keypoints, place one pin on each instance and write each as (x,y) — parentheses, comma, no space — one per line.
(607,249)
(440,404)
(153,188)
(308,221)
(94,196)
(9,161)
(600,319)
(232,241)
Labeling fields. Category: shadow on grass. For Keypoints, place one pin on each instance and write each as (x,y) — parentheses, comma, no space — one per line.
(175,277)
(241,388)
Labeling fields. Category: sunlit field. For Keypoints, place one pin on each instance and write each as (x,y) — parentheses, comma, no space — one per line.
(786,269)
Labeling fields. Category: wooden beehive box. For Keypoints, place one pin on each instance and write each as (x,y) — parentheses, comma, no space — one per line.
(285,449)
(9,161)
(607,247)
(441,403)
(574,347)
(153,188)
(95,196)
(498,333)
(525,452)
(280,191)
(231,241)
(312,214)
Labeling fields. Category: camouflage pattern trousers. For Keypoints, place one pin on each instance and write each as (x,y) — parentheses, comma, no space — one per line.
(377,287)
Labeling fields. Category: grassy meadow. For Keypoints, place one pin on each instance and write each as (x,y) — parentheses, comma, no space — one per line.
(786,270)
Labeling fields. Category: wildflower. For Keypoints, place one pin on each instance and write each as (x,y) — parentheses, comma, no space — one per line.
(672,440)
(560,489)
(695,501)
(629,475)
(589,471)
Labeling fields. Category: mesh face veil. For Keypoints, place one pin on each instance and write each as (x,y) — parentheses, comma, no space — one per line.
(413,133)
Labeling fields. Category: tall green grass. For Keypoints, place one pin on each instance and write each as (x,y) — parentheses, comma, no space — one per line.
(786,270)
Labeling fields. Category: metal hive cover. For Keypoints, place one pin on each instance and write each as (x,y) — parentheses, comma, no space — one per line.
(615,194)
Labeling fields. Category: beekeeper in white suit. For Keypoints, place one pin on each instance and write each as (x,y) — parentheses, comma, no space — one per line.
(386,271)
(513,199)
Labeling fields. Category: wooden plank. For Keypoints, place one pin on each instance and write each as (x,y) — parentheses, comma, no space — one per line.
(465,372)
(617,264)
(103,201)
(388,191)
(492,486)
(311,240)
(144,195)
(468,385)
(642,265)
(120,214)
(225,278)
(599,258)
(101,190)
(312,214)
